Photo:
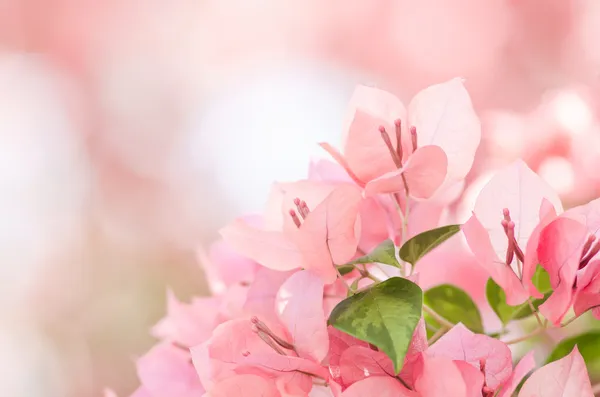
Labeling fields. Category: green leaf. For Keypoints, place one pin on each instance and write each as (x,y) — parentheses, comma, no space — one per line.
(541,280)
(384,253)
(385,315)
(497,299)
(589,347)
(345,269)
(418,246)
(455,305)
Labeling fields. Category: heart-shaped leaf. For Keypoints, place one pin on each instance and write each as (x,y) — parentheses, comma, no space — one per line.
(421,244)
(384,253)
(497,299)
(385,315)
(589,346)
(455,305)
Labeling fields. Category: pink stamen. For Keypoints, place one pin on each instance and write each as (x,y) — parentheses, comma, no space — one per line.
(592,252)
(301,207)
(588,244)
(513,247)
(386,139)
(509,228)
(267,340)
(398,125)
(262,328)
(295,218)
(305,210)
(413,137)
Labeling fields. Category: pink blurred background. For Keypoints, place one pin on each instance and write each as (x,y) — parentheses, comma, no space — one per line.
(131,130)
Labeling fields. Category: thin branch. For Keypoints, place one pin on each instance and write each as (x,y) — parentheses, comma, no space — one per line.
(535,313)
(437,317)
(525,337)
(437,335)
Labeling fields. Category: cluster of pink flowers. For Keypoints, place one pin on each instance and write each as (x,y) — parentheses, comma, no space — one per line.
(324,294)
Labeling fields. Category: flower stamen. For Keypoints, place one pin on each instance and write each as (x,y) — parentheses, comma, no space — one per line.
(269,337)
(413,138)
(386,139)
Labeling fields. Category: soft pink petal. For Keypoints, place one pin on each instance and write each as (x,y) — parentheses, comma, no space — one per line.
(358,363)
(588,213)
(588,288)
(423,216)
(443,115)
(338,343)
(167,371)
(341,160)
(472,378)
(327,171)
(424,172)
(438,376)
(559,252)
(565,377)
(276,364)
(461,344)
(481,246)
(282,196)
(244,386)
(365,151)
(390,182)
(188,324)
(522,191)
(269,248)
(294,384)
(380,387)
(261,296)
(526,365)
(547,215)
(300,307)
(224,267)
(373,224)
(330,233)
(230,345)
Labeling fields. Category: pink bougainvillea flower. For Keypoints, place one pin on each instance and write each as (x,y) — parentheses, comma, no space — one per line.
(299,304)
(386,152)
(262,295)
(249,346)
(507,215)
(351,360)
(560,251)
(188,324)
(244,385)
(587,296)
(167,371)
(224,267)
(565,377)
(490,355)
(380,387)
(526,365)
(437,376)
(313,240)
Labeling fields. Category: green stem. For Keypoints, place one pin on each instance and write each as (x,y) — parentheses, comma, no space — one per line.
(437,335)
(523,338)
(441,320)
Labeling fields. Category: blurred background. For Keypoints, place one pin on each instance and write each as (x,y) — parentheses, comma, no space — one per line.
(131,130)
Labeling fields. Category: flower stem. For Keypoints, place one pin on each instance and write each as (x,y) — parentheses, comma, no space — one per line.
(525,337)
(437,317)
(437,335)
